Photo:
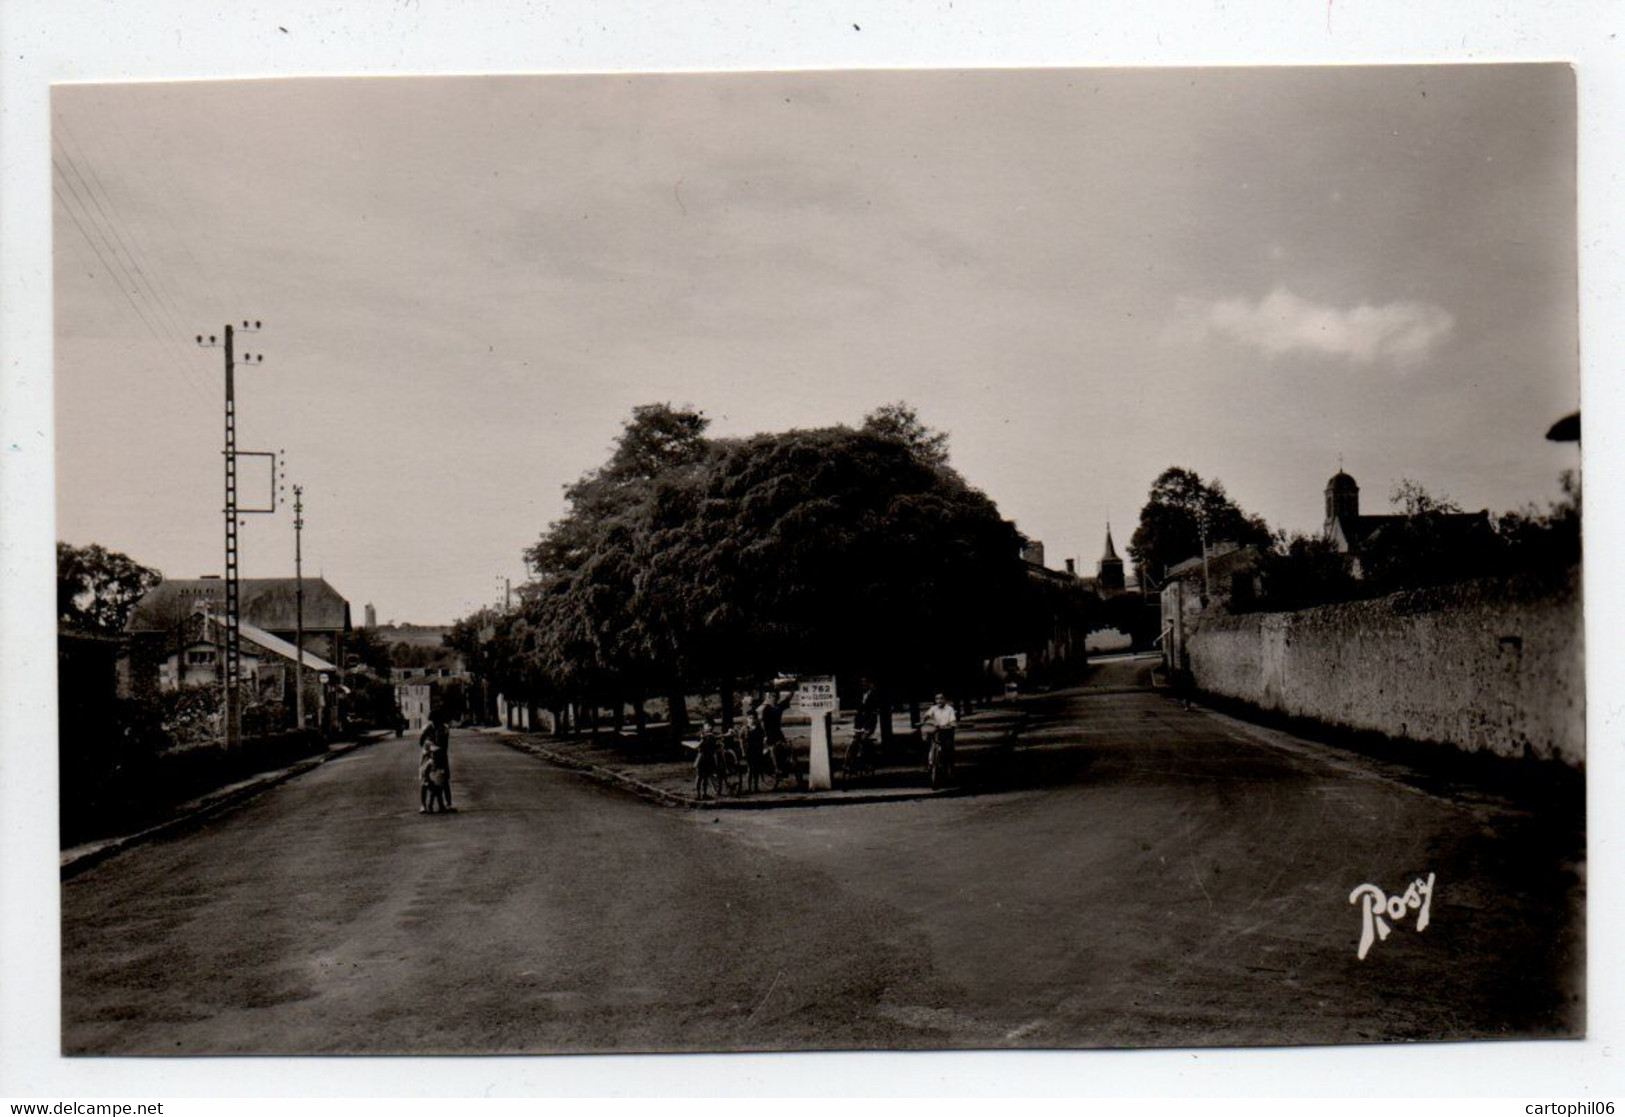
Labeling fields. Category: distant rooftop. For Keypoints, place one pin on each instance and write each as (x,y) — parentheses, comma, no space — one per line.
(266,602)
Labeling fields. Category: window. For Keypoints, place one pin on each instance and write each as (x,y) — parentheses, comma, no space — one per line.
(200,657)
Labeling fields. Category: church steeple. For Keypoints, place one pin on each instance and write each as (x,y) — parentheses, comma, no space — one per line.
(1342,500)
(1109,571)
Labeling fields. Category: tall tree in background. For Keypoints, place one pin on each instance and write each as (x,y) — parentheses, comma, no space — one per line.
(1181,512)
(96,588)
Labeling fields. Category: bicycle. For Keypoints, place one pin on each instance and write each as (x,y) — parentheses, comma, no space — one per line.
(859,758)
(779,764)
(708,770)
(730,768)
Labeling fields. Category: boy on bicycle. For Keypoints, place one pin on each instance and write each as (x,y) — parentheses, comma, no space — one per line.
(939,722)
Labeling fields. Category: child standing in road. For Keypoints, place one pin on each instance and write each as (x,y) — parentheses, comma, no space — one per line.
(707,760)
(750,740)
(436,745)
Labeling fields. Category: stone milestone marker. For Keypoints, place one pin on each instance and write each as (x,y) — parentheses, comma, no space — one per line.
(816,697)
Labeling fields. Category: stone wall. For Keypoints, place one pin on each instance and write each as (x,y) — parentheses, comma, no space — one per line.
(1493,666)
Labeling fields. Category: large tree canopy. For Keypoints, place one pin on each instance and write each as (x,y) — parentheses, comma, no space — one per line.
(96,588)
(686,562)
(818,550)
(1182,512)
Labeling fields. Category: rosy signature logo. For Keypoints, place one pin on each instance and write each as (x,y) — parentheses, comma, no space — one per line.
(1378,909)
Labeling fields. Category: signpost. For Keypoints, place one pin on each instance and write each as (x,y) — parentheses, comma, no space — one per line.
(816,697)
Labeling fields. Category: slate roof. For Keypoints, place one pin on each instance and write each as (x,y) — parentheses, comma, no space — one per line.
(256,635)
(1220,550)
(267,603)
(1358,530)
(256,641)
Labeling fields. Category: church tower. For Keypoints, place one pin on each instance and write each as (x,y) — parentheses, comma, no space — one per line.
(1109,571)
(1342,501)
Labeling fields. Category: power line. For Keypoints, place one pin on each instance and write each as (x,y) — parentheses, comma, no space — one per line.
(109,233)
(92,186)
(216,282)
(108,270)
(113,269)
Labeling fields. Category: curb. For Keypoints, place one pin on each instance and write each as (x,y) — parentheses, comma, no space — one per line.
(88,854)
(670,799)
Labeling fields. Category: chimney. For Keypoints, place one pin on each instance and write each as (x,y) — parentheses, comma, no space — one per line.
(1072,567)
(1033,552)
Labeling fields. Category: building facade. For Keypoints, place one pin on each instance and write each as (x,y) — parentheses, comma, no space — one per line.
(176,635)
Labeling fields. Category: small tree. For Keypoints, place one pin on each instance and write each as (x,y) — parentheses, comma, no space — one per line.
(96,589)
(1305,570)
(1544,542)
(1431,544)
(1414,500)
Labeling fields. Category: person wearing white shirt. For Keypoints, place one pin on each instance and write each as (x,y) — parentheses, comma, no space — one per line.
(939,722)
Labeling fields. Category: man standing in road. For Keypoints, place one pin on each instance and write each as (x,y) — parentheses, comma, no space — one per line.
(437,738)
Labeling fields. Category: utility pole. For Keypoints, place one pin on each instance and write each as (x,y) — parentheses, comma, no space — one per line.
(298,607)
(1207,589)
(233,659)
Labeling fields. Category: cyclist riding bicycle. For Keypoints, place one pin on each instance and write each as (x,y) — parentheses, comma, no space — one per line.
(938,729)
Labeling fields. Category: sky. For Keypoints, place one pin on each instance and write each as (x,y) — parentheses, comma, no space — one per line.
(1083,276)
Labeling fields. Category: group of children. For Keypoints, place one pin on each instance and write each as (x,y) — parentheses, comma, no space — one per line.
(757,741)
(759,745)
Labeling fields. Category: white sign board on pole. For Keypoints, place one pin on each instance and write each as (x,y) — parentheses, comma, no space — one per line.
(815,694)
(816,697)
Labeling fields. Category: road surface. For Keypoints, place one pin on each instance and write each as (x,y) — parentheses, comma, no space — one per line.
(1158,877)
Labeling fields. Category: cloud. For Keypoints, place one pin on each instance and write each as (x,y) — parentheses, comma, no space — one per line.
(1397,333)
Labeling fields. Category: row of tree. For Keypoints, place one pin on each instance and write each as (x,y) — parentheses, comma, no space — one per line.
(689,564)
(367,647)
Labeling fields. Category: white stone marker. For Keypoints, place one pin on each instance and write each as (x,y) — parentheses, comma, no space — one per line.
(816,697)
